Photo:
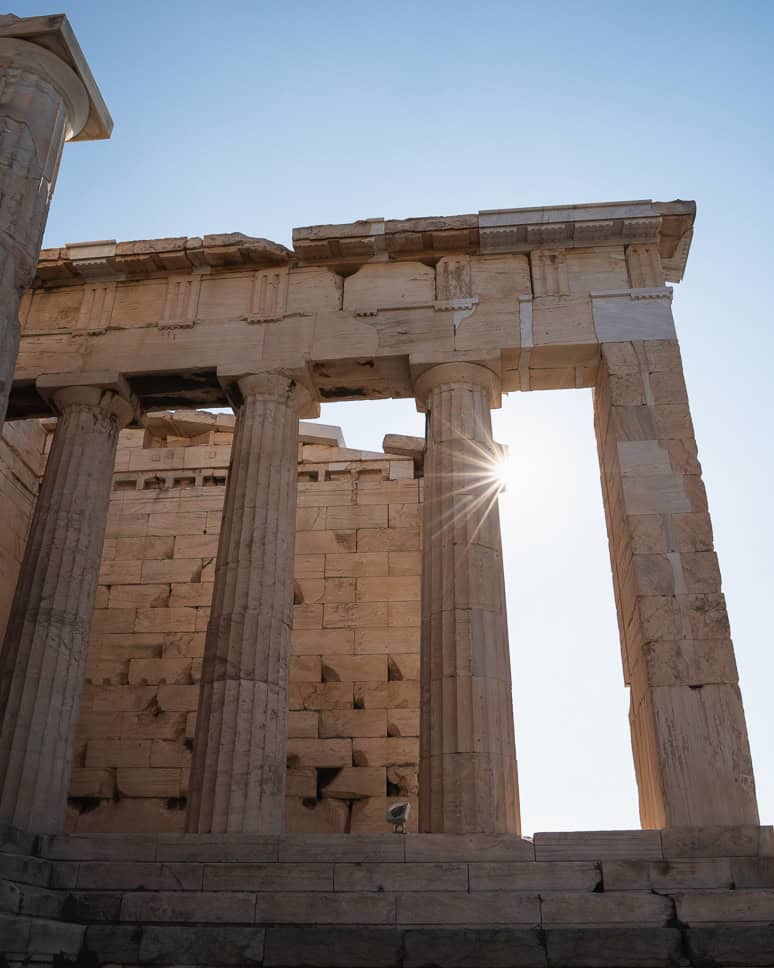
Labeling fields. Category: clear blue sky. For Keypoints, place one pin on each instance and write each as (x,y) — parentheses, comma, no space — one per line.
(257,117)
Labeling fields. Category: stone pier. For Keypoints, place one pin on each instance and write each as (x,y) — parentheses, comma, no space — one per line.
(688,730)
(44,653)
(47,97)
(240,750)
(468,781)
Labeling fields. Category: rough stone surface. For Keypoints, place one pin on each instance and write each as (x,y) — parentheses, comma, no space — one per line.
(689,735)
(466,948)
(347,947)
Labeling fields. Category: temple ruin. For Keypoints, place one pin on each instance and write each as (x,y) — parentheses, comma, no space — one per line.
(353,703)
(233,642)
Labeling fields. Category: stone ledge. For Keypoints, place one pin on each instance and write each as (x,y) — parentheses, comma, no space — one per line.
(404,902)
(590,845)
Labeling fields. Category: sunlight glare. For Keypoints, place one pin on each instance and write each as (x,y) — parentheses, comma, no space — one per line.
(506,470)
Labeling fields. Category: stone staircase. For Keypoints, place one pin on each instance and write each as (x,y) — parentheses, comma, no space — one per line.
(616,899)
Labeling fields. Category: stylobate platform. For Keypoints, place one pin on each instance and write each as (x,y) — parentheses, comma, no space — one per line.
(611,899)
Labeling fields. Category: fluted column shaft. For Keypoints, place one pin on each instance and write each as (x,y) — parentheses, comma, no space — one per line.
(42,103)
(468,780)
(44,653)
(240,749)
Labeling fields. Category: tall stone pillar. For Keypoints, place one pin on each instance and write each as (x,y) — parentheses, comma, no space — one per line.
(468,781)
(240,749)
(689,736)
(44,654)
(46,99)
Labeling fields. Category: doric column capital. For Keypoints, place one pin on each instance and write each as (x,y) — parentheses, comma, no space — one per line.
(456,374)
(110,403)
(33,59)
(106,392)
(291,387)
(275,386)
(56,58)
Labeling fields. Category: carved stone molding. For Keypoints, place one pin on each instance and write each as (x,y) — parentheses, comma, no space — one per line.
(96,308)
(549,272)
(182,301)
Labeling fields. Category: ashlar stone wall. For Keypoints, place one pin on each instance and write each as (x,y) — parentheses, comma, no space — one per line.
(354,692)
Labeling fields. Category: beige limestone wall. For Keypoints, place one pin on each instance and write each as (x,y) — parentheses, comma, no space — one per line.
(354,695)
(22,446)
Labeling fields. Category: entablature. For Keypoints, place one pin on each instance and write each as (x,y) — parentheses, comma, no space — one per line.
(532,300)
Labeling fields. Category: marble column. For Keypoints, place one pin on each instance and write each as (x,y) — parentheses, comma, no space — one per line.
(43,103)
(688,730)
(468,779)
(44,654)
(240,749)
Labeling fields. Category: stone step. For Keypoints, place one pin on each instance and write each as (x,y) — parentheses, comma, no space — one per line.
(615,899)
(26,939)
(631,845)
(541,877)
(284,946)
(17,898)
(15,841)
(281,946)
(430,908)
(23,869)
(358,848)
(342,877)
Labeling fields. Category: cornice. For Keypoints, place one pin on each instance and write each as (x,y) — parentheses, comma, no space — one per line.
(344,248)
(81,262)
(501,231)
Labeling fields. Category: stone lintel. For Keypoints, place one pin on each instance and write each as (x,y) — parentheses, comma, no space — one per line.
(54,33)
